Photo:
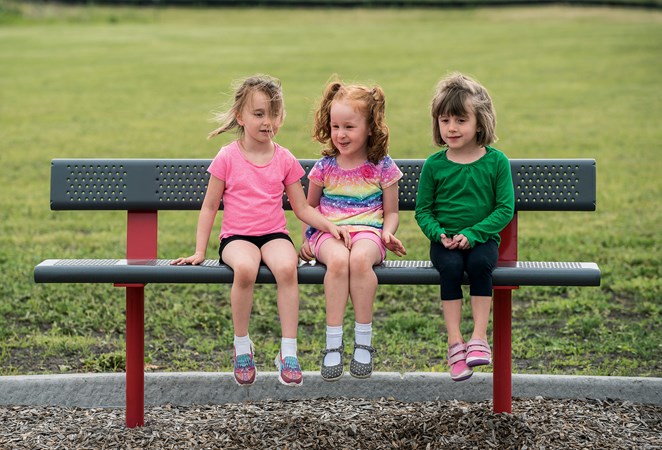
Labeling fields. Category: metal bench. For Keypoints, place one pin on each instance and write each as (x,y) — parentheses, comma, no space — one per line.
(143,187)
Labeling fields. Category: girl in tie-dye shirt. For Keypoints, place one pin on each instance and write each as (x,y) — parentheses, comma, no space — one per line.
(355,185)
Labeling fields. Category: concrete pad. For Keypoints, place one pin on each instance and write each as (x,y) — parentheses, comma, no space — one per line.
(186,388)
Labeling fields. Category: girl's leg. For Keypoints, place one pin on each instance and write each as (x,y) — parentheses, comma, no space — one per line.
(244,259)
(281,258)
(450,264)
(362,289)
(481,261)
(362,279)
(480,308)
(335,256)
(452,310)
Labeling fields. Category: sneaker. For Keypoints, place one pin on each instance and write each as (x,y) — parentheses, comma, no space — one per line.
(289,370)
(457,355)
(478,353)
(244,368)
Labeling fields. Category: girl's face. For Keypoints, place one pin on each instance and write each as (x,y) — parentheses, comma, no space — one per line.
(349,129)
(459,132)
(256,118)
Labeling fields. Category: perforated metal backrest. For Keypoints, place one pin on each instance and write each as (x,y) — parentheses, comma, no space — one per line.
(554,184)
(180,184)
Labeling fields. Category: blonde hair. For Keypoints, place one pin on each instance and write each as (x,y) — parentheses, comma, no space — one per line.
(454,95)
(244,90)
(370,102)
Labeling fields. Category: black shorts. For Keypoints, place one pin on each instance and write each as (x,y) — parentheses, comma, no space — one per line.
(258,241)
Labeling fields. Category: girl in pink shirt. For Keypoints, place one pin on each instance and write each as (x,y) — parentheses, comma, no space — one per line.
(354,185)
(249,176)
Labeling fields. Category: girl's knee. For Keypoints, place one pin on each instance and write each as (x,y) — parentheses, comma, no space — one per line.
(286,272)
(337,264)
(480,265)
(245,273)
(362,260)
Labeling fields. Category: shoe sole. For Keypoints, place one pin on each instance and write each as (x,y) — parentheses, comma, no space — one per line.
(473,362)
(333,379)
(360,377)
(462,378)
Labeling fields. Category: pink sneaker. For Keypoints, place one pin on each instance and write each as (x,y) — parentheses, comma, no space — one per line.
(479,353)
(457,355)
(289,370)
(244,368)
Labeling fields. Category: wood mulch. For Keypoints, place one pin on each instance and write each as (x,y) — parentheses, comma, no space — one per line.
(341,423)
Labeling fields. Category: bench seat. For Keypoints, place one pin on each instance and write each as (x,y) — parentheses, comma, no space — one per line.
(123,271)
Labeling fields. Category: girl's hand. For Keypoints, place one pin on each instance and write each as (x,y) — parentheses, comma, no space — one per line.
(392,243)
(461,241)
(305,252)
(194,260)
(342,233)
(447,242)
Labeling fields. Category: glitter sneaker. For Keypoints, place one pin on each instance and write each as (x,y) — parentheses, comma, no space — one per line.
(244,368)
(289,370)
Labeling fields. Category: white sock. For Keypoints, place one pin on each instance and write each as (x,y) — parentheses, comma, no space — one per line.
(333,340)
(288,347)
(242,345)
(363,336)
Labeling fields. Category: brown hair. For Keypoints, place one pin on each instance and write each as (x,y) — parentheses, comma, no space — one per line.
(456,93)
(270,86)
(371,102)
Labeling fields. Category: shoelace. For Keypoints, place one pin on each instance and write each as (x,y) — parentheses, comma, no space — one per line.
(291,363)
(243,361)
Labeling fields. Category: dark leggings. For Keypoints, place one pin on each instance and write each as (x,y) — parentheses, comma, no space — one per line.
(478,262)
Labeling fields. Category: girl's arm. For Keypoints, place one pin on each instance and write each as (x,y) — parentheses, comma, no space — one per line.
(391,220)
(210,206)
(425,200)
(314,196)
(308,214)
(503,210)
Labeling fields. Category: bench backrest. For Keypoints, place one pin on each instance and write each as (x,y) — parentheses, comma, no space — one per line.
(180,184)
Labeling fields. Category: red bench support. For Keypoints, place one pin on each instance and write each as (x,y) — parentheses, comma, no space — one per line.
(141,244)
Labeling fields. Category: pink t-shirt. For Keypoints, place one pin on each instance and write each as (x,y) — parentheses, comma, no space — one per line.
(253,197)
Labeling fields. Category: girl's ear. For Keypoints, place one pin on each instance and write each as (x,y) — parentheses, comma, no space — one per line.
(239,119)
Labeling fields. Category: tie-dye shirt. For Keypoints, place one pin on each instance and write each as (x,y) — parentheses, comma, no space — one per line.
(353,197)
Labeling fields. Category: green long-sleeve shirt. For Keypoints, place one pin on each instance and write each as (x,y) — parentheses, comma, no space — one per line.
(476,199)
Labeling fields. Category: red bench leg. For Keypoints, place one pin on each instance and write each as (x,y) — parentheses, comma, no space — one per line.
(135,356)
(502,378)
(141,243)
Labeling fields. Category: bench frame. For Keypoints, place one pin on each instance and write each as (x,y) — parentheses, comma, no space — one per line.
(143,187)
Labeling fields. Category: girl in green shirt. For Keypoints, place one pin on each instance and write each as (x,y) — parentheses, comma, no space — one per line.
(465,198)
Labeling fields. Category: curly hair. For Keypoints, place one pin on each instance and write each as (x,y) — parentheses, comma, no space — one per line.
(370,101)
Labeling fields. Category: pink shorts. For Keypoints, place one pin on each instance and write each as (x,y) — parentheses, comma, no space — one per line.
(356,235)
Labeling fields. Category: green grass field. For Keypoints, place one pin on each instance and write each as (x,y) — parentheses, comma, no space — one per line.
(100,82)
